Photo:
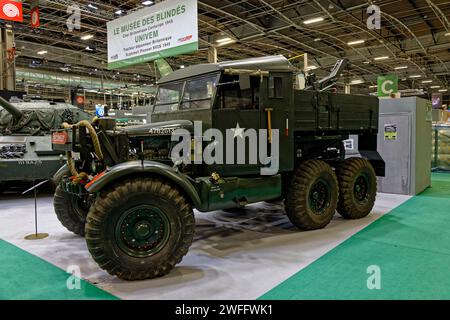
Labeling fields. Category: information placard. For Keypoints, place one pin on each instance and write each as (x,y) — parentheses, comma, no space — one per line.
(166,29)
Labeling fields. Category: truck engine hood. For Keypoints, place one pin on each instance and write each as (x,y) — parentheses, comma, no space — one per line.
(159,128)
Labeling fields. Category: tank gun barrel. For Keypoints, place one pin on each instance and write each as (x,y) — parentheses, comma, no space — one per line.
(16,113)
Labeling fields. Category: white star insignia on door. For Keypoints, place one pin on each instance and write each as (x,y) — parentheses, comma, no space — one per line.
(238,132)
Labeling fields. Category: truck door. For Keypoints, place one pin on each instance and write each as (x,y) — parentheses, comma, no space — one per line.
(277,104)
(237,108)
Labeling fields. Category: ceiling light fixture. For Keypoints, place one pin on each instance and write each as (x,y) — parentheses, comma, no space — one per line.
(415,76)
(351,43)
(381,58)
(42,52)
(90,5)
(226,39)
(225,42)
(87,37)
(427,81)
(357,81)
(147,2)
(435,87)
(313,20)
(401,67)
(447,34)
(119,12)
(443,90)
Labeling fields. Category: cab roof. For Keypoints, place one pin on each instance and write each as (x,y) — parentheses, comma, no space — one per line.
(268,63)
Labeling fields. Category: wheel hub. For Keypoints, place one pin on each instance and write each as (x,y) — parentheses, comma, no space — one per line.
(142,231)
(80,207)
(361,188)
(319,196)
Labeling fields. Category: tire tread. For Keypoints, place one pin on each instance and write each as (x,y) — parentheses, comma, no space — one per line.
(296,199)
(64,212)
(99,212)
(346,174)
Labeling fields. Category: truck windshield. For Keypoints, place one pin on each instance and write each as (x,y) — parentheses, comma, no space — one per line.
(168,97)
(197,94)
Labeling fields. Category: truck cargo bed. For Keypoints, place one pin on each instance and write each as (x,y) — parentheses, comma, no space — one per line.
(335,113)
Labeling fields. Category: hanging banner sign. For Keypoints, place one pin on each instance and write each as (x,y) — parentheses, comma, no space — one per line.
(166,29)
(387,85)
(436,100)
(163,67)
(35,21)
(99,111)
(80,101)
(11,10)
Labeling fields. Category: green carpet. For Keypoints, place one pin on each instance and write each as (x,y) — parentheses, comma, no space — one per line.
(24,276)
(410,244)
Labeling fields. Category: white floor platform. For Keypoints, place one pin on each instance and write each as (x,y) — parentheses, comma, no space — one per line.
(234,256)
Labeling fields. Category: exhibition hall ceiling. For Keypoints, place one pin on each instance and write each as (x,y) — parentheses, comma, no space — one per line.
(414,41)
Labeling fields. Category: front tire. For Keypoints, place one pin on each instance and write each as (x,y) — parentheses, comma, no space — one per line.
(312,196)
(140,229)
(70,210)
(357,188)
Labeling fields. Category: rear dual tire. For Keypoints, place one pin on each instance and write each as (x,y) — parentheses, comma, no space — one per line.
(316,192)
(357,188)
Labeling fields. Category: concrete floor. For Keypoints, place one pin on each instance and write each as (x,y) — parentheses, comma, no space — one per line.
(234,256)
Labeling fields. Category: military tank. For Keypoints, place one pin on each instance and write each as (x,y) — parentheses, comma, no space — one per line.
(25,138)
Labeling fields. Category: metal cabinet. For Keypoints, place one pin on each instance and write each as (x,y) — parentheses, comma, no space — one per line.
(405,145)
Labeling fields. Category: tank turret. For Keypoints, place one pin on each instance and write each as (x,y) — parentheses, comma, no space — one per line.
(26,138)
(16,113)
(36,117)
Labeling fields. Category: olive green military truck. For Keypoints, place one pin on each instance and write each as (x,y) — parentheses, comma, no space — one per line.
(133,200)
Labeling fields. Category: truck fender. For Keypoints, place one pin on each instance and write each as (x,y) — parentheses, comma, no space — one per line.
(143,168)
(57,177)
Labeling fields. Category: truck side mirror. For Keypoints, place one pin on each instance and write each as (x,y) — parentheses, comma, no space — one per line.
(244,82)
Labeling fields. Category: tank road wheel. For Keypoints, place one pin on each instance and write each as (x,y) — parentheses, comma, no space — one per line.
(357,188)
(140,228)
(70,210)
(312,196)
